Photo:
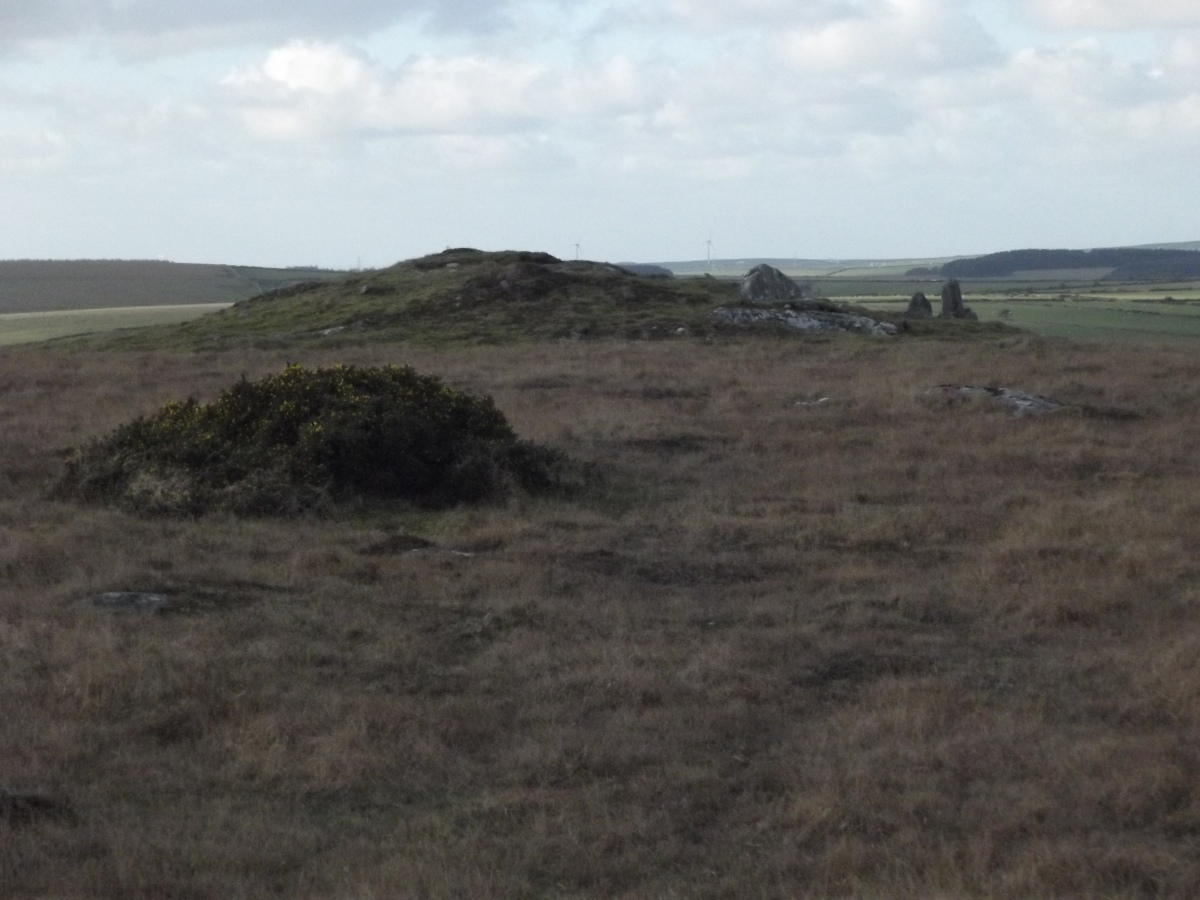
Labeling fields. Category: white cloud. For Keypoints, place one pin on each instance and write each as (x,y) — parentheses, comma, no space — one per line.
(147,28)
(676,108)
(752,13)
(308,89)
(910,36)
(31,149)
(1117,15)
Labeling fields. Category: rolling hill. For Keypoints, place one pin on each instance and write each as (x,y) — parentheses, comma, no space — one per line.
(457,297)
(1117,264)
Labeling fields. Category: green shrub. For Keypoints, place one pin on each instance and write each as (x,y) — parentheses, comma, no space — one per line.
(304,439)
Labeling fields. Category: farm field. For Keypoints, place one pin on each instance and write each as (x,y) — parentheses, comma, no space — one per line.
(815,631)
(1085,320)
(25,328)
(59,285)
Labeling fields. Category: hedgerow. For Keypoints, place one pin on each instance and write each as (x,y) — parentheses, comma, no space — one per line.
(306,439)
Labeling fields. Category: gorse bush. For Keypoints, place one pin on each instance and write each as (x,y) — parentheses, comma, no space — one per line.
(307,438)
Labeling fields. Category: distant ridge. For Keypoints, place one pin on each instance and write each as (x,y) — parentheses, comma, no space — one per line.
(811,265)
(741,265)
(1184,245)
(54,285)
(1116,263)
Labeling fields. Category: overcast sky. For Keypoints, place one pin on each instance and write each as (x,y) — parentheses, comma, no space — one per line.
(292,132)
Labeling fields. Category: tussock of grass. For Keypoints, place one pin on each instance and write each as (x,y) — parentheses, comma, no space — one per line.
(306,438)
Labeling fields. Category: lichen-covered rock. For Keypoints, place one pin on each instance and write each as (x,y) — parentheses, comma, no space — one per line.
(766,284)
(1020,402)
(811,321)
(919,307)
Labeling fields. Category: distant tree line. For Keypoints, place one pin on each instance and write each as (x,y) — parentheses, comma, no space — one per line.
(1126,263)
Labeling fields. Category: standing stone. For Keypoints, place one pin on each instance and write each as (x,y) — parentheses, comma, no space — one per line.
(952,302)
(919,307)
(766,284)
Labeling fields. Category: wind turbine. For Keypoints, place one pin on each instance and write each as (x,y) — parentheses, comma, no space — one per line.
(708,252)
(576,251)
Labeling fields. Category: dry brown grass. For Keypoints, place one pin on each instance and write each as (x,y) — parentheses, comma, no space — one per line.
(879,647)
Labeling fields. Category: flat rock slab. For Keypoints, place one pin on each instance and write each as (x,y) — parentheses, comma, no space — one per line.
(133,601)
(1020,402)
(809,321)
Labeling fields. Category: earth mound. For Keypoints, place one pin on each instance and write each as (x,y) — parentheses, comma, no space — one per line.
(310,439)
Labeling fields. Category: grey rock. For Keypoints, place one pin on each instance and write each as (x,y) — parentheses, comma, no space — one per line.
(135,601)
(919,307)
(766,284)
(952,302)
(810,321)
(1020,402)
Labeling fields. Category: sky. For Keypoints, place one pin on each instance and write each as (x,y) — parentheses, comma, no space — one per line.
(362,132)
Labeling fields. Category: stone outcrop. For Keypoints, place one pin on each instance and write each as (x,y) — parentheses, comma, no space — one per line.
(952,302)
(766,284)
(1020,402)
(137,601)
(919,307)
(812,321)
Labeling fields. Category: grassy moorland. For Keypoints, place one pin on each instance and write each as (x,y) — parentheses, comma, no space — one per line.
(881,646)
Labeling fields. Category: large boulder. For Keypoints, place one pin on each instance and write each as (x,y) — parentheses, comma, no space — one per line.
(919,307)
(952,302)
(766,284)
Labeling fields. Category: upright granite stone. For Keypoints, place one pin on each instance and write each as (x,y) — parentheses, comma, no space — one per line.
(952,302)
(919,307)
(766,284)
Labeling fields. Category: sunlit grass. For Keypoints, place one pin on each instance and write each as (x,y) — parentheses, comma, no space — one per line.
(1134,318)
(27,328)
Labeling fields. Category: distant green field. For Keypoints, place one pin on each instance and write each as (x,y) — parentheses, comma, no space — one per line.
(1096,320)
(28,286)
(24,328)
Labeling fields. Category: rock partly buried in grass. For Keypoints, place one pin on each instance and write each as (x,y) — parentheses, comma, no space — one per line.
(310,440)
(135,601)
(813,321)
(1019,401)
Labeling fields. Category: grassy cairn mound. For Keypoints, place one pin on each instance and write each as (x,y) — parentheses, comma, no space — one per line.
(304,439)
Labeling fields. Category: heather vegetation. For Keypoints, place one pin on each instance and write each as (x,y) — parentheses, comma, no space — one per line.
(819,623)
(307,440)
